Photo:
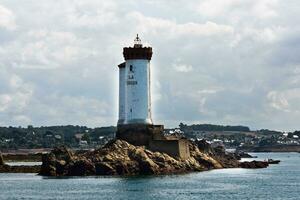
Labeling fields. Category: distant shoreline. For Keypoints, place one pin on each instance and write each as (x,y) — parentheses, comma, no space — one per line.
(22,157)
(275,148)
(28,157)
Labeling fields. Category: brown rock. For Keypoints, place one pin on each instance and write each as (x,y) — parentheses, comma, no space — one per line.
(82,167)
(60,167)
(254,164)
(48,167)
(19,169)
(146,165)
(63,153)
(1,159)
(104,169)
(203,146)
(121,158)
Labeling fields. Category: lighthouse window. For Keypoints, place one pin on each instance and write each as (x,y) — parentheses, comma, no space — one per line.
(131,68)
(131,82)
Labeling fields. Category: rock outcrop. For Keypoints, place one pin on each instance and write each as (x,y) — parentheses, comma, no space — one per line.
(121,158)
(19,169)
(1,160)
(227,160)
(241,154)
(254,164)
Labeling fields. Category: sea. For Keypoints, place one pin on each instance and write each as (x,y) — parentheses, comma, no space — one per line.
(281,181)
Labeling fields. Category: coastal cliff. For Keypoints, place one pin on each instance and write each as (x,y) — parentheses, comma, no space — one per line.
(121,158)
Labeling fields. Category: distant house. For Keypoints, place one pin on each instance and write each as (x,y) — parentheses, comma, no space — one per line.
(216,143)
(8,140)
(83,143)
(79,136)
(58,137)
(101,137)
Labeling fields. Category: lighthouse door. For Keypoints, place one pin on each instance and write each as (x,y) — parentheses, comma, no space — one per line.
(130,114)
(132,106)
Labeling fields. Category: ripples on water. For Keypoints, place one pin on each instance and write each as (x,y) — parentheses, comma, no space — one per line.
(276,182)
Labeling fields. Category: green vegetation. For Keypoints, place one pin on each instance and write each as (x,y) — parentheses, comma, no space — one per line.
(211,127)
(48,137)
(239,136)
(82,136)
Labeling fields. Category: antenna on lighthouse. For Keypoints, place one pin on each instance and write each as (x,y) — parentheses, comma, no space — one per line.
(137,41)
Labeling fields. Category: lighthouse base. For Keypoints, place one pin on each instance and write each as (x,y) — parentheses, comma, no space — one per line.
(153,138)
(139,134)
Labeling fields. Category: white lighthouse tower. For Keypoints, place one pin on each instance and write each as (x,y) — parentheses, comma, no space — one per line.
(135,123)
(134,85)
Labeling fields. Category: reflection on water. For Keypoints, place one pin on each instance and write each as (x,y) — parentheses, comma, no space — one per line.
(276,182)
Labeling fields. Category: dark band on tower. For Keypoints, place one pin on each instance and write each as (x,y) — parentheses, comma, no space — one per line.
(137,51)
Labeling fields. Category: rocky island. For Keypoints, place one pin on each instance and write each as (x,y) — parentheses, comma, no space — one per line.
(121,158)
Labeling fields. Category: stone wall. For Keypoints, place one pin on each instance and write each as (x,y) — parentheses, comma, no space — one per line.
(176,148)
(184,148)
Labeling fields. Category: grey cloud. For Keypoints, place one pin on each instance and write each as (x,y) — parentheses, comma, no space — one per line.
(224,65)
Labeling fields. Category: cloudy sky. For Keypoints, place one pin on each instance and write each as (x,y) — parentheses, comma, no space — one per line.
(221,62)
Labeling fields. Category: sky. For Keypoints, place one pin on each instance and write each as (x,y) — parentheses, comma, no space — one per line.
(234,62)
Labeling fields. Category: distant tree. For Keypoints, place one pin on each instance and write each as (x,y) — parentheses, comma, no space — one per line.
(269,132)
(49,133)
(290,135)
(86,137)
(182,126)
(212,127)
(297,133)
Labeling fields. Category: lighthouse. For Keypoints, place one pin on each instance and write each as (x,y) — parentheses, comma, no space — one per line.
(135,122)
(134,85)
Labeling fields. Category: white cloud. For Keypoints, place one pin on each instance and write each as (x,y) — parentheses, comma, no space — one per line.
(256,8)
(278,101)
(265,8)
(17,96)
(22,119)
(170,29)
(238,60)
(44,49)
(4,102)
(207,91)
(215,7)
(183,68)
(7,18)
(92,14)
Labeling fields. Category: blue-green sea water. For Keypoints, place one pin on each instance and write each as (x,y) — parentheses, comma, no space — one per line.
(276,182)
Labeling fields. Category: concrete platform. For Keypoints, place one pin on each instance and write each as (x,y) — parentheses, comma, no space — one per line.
(152,136)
